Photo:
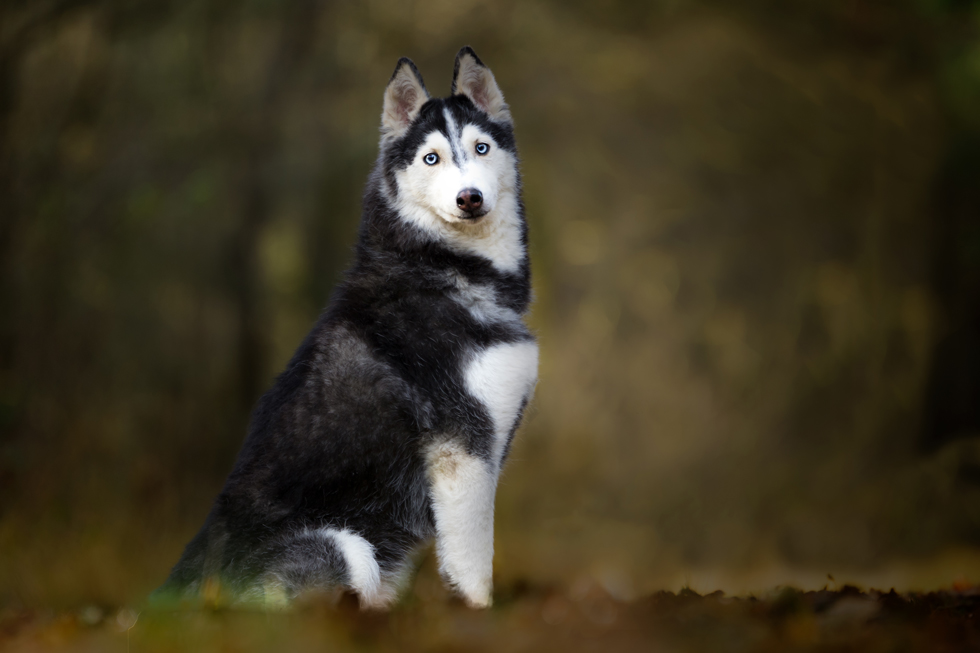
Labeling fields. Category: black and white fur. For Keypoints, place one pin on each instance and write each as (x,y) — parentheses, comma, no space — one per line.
(391,422)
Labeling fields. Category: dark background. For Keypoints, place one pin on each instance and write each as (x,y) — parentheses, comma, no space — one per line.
(756,244)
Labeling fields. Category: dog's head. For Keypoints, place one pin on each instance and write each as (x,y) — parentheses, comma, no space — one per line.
(449,162)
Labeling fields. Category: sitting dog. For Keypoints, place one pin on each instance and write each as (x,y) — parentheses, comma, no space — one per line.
(391,422)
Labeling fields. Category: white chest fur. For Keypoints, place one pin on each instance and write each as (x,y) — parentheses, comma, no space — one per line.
(502,377)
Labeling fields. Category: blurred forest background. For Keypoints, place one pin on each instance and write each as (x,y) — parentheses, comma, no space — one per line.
(756,245)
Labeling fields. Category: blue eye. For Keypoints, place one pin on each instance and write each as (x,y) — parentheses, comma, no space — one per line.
(431,159)
(482,148)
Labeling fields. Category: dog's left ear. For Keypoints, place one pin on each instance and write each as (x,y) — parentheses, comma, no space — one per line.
(474,80)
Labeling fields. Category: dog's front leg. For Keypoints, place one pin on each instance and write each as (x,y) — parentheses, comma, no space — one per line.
(462,488)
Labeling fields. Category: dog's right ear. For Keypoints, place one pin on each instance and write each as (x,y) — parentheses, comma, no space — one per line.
(404,97)
(474,80)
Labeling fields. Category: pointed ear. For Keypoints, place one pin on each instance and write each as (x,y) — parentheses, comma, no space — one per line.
(404,97)
(474,80)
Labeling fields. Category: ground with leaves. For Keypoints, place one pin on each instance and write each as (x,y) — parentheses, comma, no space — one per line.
(583,618)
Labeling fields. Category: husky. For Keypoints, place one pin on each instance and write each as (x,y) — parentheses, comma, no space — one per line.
(389,426)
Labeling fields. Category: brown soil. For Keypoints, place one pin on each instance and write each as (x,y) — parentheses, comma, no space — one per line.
(531,619)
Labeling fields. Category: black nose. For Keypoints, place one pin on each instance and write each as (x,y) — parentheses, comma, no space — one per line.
(469,199)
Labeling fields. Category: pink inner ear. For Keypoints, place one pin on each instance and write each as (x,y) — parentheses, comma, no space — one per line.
(406,102)
(473,83)
(480,97)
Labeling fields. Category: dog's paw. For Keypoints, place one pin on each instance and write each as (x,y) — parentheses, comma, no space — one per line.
(479,602)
